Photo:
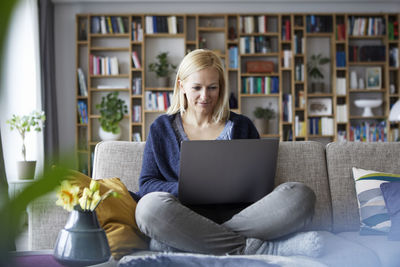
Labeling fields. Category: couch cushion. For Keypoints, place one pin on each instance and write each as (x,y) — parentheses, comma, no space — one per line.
(374,216)
(340,252)
(120,159)
(341,158)
(387,251)
(391,194)
(305,162)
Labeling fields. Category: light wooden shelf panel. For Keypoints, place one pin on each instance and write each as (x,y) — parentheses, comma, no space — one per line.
(259,95)
(367,91)
(109,35)
(164,35)
(159,89)
(259,74)
(93,48)
(211,29)
(273,54)
(369,63)
(367,118)
(110,76)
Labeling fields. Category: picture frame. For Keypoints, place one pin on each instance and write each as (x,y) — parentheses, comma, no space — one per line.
(319,106)
(373,78)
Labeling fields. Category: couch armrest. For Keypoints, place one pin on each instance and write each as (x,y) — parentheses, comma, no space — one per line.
(45,222)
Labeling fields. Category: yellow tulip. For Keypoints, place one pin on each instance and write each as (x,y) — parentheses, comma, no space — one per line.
(94,185)
(67,195)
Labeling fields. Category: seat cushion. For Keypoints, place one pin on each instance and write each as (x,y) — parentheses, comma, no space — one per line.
(391,194)
(339,251)
(387,251)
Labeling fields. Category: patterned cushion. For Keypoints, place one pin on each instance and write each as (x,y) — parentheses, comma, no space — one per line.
(374,216)
(391,194)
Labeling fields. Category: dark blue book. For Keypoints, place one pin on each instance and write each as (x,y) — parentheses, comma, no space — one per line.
(95,25)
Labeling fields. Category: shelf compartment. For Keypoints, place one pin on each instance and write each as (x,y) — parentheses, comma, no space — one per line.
(211,29)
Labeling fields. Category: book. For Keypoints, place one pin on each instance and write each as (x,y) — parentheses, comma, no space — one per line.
(82,83)
(149,24)
(121,26)
(95,25)
(136,61)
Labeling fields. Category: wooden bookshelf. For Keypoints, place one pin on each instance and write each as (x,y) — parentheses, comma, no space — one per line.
(239,39)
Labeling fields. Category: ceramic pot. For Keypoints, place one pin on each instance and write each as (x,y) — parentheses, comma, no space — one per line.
(163,81)
(82,242)
(26,170)
(109,136)
(261,125)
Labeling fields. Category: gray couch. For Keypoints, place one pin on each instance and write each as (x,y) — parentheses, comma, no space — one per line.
(326,169)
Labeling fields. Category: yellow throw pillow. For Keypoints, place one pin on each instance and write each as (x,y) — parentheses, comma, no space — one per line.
(116,215)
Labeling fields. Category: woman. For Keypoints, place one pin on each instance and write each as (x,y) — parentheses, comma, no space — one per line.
(200,111)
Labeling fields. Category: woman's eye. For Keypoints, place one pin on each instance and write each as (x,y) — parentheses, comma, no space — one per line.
(196,88)
(212,87)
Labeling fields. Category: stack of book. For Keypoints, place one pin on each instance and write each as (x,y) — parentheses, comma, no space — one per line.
(340,32)
(369,132)
(99,65)
(233,57)
(260,85)
(82,83)
(286,31)
(82,111)
(137,86)
(107,24)
(340,86)
(137,113)
(341,113)
(299,127)
(136,60)
(137,31)
(287,107)
(299,72)
(321,126)
(366,26)
(158,100)
(161,24)
(340,59)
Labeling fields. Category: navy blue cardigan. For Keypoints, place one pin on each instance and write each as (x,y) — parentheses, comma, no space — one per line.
(160,167)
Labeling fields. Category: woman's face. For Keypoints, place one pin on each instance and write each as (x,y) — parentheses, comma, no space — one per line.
(202,90)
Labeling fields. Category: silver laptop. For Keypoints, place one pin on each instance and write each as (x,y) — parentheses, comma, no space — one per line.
(227,171)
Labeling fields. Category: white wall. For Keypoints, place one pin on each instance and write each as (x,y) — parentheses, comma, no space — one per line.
(65,31)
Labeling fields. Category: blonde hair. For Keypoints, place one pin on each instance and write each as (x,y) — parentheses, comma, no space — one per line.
(195,61)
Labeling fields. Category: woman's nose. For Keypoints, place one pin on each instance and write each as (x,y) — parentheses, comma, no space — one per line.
(203,92)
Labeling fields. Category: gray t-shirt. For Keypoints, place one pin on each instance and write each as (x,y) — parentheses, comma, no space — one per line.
(226,133)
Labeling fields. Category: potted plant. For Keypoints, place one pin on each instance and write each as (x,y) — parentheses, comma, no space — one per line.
(314,71)
(162,68)
(263,116)
(112,110)
(33,121)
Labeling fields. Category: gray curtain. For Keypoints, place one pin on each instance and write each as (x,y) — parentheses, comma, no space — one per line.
(49,99)
(3,178)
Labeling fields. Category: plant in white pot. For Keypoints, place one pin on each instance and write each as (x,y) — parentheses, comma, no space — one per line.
(24,124)
(112,110)
(162,69)
(315,72)
(263,116)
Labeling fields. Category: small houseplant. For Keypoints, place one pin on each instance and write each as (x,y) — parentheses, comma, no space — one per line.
(24,124)
(263,116)
(162,68)
(314,71)
(112,110)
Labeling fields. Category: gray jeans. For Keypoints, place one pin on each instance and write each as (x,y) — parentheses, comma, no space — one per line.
(287,209)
